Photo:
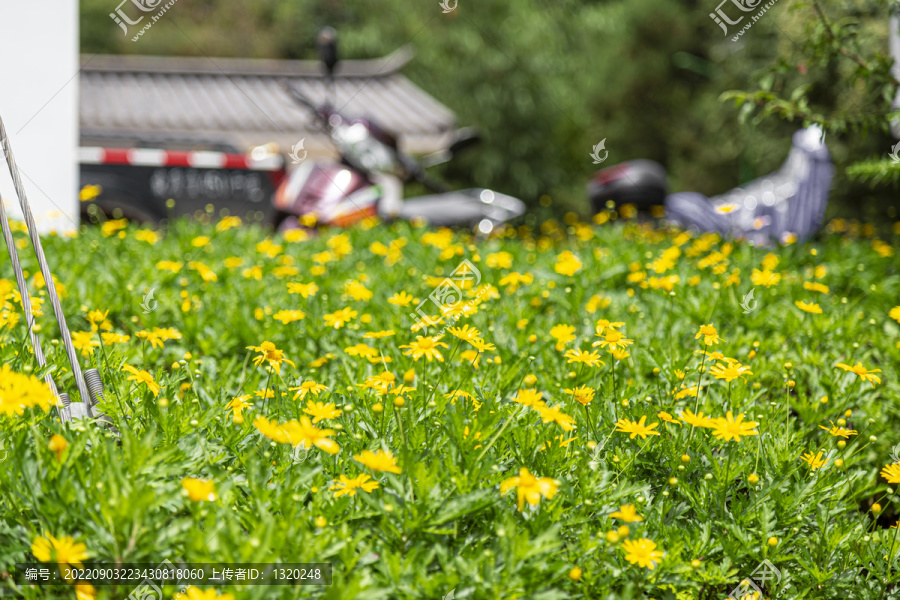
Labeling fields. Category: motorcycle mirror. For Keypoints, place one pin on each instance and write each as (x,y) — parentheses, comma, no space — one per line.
(326,42)
(463,139)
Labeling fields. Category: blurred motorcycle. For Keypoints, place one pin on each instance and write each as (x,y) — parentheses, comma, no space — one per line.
(369,178)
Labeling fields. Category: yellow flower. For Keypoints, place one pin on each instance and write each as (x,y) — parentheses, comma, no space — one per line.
(667,417)
(340,318)
(377,335)
(688,391)
(483,346)
(627,513)
(237,406)
(839,431)
(765,278)
(113,226)
(304,289)
(499,260)
(814,461)
(596,303)
(400,299)
(529,488)
(18,392)
(289,316)
(862,372)
(810,307)
(57,445)
(322,360)
(529,398)
(697,420)
(347,487)
(319,411)
(144,377)
(357,291)
(730,428)
(583,395)
(891,473)
(269,353)
(63,550)
(591,359)
(642,552)
(157,336)
(298,433)
(636,428)
(114,338)
(465,333)
(308,387)
(200,241)
(895,313)
(730,371)
(614,339)
(709,334)
(98,320)
(85,591)
(429,347)
(603,325)
(815,287)
(567,264)
(228,223)
(199,490)
(514,280)
(89,192)
(553,415)
(381,460)
(168,265)
(83,340)
(563,335)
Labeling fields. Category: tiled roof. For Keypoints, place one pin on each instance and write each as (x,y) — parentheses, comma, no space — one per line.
(234,104)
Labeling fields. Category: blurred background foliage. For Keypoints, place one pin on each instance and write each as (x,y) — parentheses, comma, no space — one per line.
(544,81)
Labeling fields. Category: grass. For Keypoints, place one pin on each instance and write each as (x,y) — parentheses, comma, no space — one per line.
(447,518)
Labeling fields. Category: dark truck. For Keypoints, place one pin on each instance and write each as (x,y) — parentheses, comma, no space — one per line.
(138,183)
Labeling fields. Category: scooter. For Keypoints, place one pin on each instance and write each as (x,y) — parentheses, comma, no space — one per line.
(368,180)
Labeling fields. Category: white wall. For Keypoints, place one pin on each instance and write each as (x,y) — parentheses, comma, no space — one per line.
(39,106)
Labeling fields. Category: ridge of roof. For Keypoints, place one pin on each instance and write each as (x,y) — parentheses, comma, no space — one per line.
(251,67)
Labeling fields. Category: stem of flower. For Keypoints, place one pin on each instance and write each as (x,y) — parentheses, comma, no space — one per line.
(697,403)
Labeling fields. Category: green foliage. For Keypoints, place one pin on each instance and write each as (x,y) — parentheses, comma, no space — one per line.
(833,68)
(543,82)
(442,523)
(876,171)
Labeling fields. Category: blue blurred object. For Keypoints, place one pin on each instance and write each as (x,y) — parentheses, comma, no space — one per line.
(787,205)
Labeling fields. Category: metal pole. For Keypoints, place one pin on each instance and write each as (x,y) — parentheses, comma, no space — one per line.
(62,412)
(45,270)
